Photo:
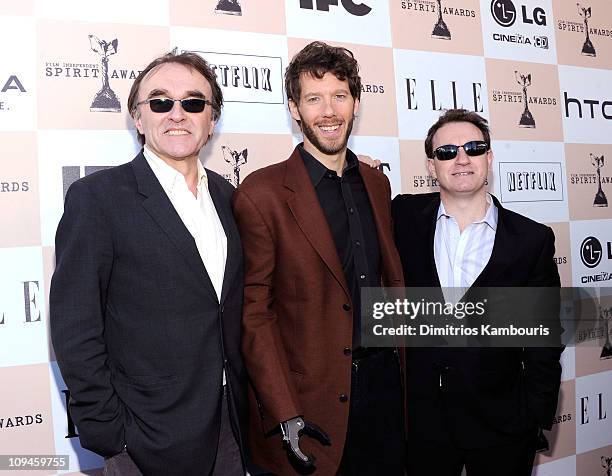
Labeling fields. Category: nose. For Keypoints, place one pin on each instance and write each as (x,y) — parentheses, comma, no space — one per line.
(327,107)
(177,113)
(462,158)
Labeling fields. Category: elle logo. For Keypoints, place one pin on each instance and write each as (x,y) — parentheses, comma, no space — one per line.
(357,9)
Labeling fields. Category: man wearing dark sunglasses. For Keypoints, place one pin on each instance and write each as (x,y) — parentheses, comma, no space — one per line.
(146,298)
(478,408)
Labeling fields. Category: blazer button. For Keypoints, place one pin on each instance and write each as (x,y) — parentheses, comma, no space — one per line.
(346,307)
(221,309)
(343,398)
(347,351)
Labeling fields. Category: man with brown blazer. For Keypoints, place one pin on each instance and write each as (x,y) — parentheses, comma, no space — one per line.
(315,229)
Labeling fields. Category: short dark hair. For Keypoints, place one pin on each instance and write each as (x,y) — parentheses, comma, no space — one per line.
(457,115)
(189,59)
(318,58)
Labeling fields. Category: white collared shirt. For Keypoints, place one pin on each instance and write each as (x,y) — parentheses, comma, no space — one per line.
(197,213)
(461,256)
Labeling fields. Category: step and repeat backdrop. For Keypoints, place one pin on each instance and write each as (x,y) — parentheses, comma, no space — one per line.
(540,70)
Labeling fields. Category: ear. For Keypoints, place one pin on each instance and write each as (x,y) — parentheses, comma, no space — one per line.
(293,109)
(137,121)
(432,168)
(356,107)
(489,159)
(211,128)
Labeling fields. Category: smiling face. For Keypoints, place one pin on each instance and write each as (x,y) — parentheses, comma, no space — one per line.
(326,110)
(175,135)
(462,176)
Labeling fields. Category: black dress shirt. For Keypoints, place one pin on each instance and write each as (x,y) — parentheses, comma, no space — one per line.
(348,211)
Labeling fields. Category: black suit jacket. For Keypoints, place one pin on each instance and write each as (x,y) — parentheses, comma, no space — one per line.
(491,395)
(140,336)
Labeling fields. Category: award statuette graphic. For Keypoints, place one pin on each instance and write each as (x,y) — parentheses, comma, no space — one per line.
(600,197)
(526,118)
(235,159)
(229,7)
(605,315)
(606,463)
(587,48)
(105,100)
(440,29)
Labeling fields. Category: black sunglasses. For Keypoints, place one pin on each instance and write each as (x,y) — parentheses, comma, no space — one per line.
(166,104)
(473,148)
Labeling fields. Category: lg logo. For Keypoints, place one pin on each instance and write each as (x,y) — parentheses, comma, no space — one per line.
(504,13)
(357,9)
(590,252)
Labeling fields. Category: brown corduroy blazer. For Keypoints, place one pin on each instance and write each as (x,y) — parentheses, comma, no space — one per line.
(297,319)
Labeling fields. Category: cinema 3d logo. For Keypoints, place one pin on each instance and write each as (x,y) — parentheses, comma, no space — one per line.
(229,7)
(357,9)
(235,159)
(591,254)
(106,99)
(504,13)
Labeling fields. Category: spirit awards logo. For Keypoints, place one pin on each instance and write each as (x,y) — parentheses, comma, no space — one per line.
(593,180)
(235,159)
(591,252)
(587,47)
(605,314)
(606,463)
(503,12)
(229,7)
(526,117)
(600,197)
(440,29)
(105,100)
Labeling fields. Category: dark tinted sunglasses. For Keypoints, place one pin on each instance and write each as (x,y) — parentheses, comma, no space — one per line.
(166,104)
(450,151)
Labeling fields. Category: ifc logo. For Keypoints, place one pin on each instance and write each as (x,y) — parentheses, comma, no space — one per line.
(590,252)
(504,12)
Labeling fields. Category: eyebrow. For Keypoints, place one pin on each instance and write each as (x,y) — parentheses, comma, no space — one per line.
(162,92)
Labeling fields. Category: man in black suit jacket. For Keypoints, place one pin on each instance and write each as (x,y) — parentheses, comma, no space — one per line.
(146,298)
(480,408)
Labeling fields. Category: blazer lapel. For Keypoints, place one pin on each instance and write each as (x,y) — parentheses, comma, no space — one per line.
(427,227)
(234,248)
(307,211)
(502,254)
(379,201)
(158,206)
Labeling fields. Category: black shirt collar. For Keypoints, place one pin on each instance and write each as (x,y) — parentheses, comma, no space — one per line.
(316,170)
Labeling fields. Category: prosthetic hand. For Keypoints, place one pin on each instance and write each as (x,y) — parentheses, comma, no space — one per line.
(293,429)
